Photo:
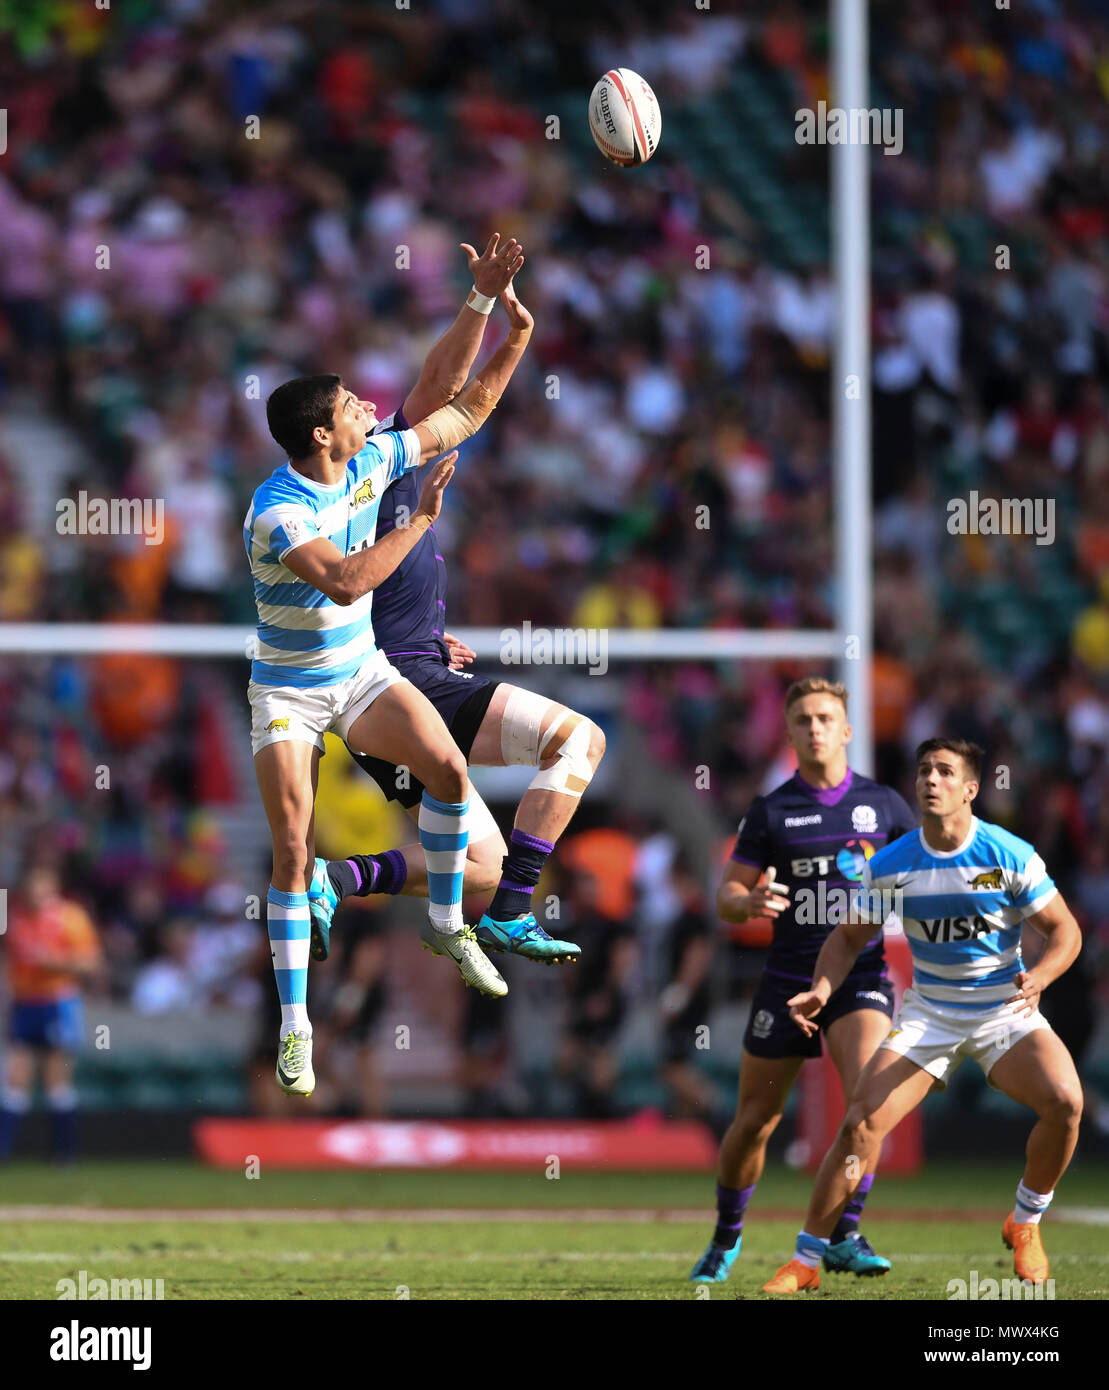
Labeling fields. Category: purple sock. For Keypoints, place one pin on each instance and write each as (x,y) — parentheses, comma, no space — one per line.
(849,1221)
(368,873)
(731,1203)
(520,870)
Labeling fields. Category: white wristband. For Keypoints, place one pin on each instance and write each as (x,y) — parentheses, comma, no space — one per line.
(481,303)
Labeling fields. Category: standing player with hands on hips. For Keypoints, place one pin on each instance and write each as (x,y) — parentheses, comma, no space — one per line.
(818,827)
(310,537)
(964,890)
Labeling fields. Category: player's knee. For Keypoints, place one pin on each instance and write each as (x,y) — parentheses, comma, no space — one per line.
(859,1129)
(1064,1106)
(753,1126)
(596,750)
(448,781)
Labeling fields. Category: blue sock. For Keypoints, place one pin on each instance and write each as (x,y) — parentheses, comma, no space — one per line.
(852,1212)
(731,1203)
(444,835)
(290,928)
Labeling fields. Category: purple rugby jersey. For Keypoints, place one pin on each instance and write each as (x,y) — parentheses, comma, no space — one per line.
(812,837)
(409,609)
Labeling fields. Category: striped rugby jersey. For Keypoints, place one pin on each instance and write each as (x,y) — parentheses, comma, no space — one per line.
(962,910)
(306,639)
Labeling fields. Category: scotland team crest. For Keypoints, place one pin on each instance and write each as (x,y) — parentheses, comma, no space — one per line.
(864,820)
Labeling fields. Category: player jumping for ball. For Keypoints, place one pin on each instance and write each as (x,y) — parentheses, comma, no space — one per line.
(316,559)
(812,835)
(963,890)
(493,723)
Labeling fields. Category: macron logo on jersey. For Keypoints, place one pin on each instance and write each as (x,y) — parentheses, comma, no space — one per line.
(791,821)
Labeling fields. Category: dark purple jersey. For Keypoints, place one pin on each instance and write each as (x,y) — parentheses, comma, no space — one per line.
(409,609)
(818,841)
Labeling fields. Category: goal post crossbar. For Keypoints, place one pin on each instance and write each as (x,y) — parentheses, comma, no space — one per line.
(200,640)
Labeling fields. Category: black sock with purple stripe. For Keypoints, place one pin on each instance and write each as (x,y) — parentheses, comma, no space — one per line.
(731,1203)
(849,1221)
(520,870)
(368,873)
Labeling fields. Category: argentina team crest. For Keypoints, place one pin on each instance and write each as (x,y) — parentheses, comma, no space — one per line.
(864,820)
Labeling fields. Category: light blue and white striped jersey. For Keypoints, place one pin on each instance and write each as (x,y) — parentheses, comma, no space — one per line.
(962,910)
(304,638)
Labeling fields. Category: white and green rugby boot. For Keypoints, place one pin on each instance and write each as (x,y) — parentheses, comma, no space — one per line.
(474,965)
(523,936)
(322,902)
(294,1065)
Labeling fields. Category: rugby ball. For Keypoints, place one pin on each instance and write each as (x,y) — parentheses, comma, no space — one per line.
(624,118)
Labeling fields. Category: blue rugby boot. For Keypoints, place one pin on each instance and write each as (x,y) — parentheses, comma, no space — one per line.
(715,1264)
(322,902)
(855,1256)
(523,936)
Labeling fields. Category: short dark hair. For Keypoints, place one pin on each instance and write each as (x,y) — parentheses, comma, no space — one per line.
(300,406)
(970,753)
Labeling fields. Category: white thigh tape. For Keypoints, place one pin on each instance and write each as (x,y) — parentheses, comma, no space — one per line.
(523,717)
(572,769)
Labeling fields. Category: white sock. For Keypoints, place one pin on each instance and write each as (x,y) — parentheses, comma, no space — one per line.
(1030,1205)
(294,1019)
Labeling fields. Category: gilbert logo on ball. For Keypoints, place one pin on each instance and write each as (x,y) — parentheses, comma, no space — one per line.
(624,117)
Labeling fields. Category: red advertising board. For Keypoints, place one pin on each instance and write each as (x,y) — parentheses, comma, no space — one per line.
(476,1144)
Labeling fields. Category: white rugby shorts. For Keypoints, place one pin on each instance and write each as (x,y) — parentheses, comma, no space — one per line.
(280,712)
(937,1039)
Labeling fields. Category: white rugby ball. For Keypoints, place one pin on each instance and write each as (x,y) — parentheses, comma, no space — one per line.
(624,117)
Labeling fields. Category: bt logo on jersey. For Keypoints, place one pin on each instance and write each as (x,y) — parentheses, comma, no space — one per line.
(820,864)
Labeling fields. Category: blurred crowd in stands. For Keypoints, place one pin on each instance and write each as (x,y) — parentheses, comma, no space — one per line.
(197,203)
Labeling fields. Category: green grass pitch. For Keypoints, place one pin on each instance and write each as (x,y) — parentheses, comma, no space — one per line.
(217,1235)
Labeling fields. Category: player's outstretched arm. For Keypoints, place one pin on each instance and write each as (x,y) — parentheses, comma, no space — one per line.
(346,578)
(447,365)
(838,954)
(464,416)
(1056,924)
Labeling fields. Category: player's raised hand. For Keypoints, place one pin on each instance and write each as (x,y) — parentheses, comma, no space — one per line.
(519,318)
(1030,988)
(767,899)
(803,1009)
(494,268)
(431,494)
(460,654)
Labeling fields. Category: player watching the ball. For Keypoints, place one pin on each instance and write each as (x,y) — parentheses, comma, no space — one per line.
(814,832)
(311,539)
(493,723)
(963,890)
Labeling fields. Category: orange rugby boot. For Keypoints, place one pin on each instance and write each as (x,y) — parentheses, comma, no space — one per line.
(1023,1239)
(793,1278)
